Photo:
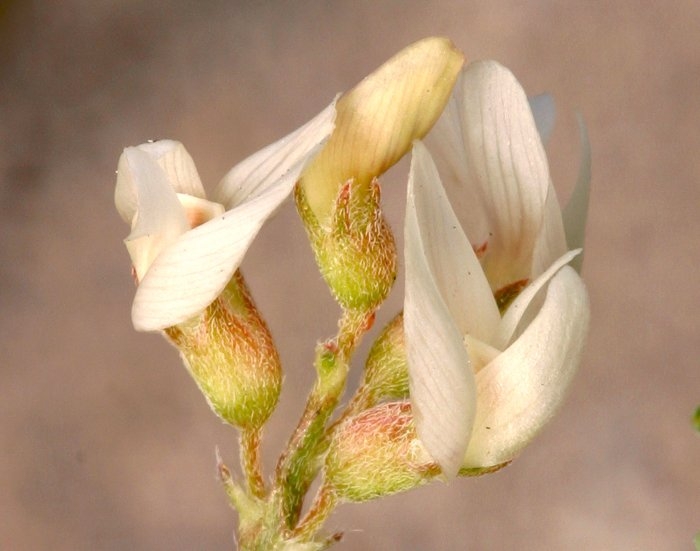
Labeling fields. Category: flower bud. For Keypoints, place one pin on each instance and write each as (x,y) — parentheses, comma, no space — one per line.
(229,352)
(386,370)
(338,193)
(378,120)
(377,453)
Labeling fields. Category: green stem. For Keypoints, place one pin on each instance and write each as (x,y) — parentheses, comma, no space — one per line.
(302,459)
(251,461)
(324,503)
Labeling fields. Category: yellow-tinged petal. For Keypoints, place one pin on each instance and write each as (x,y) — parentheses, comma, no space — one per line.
(378,119)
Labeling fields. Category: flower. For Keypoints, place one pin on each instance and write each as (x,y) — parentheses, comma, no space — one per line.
(494,319)
(185,248)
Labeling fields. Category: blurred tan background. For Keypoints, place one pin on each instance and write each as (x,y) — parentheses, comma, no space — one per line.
(105,444)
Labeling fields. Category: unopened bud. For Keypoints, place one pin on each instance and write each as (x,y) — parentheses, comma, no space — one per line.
(377,453)
(386,370)
(229,352)
(338,194)
(378,120)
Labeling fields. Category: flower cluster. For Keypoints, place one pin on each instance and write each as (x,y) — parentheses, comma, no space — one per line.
(495,313)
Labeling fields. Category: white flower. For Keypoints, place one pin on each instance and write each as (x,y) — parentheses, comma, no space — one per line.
(184,248)
(482,381)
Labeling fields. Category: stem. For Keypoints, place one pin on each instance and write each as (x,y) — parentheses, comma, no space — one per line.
(324,503)
(300,462)
(251,461)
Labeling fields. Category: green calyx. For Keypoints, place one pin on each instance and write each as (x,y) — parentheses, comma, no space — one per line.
(356,253)
(229,352)
(386,370)
(377,453)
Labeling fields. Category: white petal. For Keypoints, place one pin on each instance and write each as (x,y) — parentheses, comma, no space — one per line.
(125,196)
(178,165)
(576,210)
(521,389)
(198,210)
(446,145)
(191,273)
(441,379)
(517,309)
(551,240)
(158,219)
(544,112)
(256,174)
(480,352)
(508,165)
(450,256)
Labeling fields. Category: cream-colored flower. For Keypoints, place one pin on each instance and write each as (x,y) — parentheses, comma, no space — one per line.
(494,320)
(185,248)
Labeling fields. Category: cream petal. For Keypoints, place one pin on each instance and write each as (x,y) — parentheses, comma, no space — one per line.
(441,381)
(125,195)
(551,240)
(511,319)
(380,117)
(177,164)
(198,210)
(480,352)
(507,165)
(253,176)
(523,387)
(451,258)
(187,276)
(157,219)
(446,145)
(576,210)
(544,111)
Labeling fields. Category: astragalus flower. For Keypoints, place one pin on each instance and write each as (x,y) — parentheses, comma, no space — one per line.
(184,248)
(494,319)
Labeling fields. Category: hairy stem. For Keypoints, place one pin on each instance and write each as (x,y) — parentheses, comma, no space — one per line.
(323,505)
(251,461)
(302,459)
